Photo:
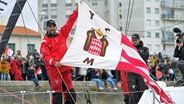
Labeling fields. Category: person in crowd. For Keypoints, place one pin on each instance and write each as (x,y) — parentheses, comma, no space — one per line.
(160,57)
(166,59)
(31,74)
(53,48)
(158,70)
(18,75)
(24,68)
(0,70)
(5,68)
(178,65)
(41,64)
(80,74)
(108,77)
(37,63)
(95,75)
(18,55)
(171,74)
(14,66)
(36,54)
(88,74)
(28,55)
(135,81)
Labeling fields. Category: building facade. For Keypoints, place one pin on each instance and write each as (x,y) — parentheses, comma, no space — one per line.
(23,39)
(154,20)
(172,16)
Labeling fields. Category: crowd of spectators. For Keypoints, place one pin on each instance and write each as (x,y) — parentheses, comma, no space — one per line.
(160,67)
(32,67)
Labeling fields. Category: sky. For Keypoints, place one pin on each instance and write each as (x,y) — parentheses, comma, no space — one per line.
(28,17)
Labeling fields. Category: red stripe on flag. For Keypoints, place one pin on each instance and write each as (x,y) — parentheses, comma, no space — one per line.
(125,40)
(134,61)
(124,66)
(134,65)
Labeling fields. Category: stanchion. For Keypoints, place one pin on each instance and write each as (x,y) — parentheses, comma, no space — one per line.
(50,96)
(22,93)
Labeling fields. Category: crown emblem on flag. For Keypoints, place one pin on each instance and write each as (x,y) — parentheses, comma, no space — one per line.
(96,42)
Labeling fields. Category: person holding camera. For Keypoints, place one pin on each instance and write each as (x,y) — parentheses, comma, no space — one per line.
(178,65)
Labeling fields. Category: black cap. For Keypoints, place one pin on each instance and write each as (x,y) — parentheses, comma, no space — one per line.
(51,22)
(135,36)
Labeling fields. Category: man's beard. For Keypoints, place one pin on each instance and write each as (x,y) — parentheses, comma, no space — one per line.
(51,34)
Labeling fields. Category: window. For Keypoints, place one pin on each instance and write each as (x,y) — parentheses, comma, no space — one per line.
(44,5)
(120,16)
(148,10)
(53,5)
(148,34)
(68,12)
(11,46)
(157,23)
(120,4)
(67,16)
(45,10)
(169,36)
(94,4)
(148,22)
(106,2)
(53,13)
(53,16)
(68,4)
(30,47)
(121,28)
(169,13)
(157,35)
(156,10)
(45,17)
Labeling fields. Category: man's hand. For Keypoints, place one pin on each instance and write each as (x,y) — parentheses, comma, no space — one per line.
(179,44)
(57,64)
(119,84)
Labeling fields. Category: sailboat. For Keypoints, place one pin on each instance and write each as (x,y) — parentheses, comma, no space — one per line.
(174,93)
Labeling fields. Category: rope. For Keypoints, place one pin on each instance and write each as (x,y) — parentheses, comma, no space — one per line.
(35,18)
(27,36)
(66,85)
(130,16)
(87,97)
(15,96)
(127,19)
(82,75)
(88,93)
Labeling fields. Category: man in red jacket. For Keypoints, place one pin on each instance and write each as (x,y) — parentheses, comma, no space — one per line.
(53,48)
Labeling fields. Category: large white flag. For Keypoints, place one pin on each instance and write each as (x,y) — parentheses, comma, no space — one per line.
(96,44)
(4,6)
